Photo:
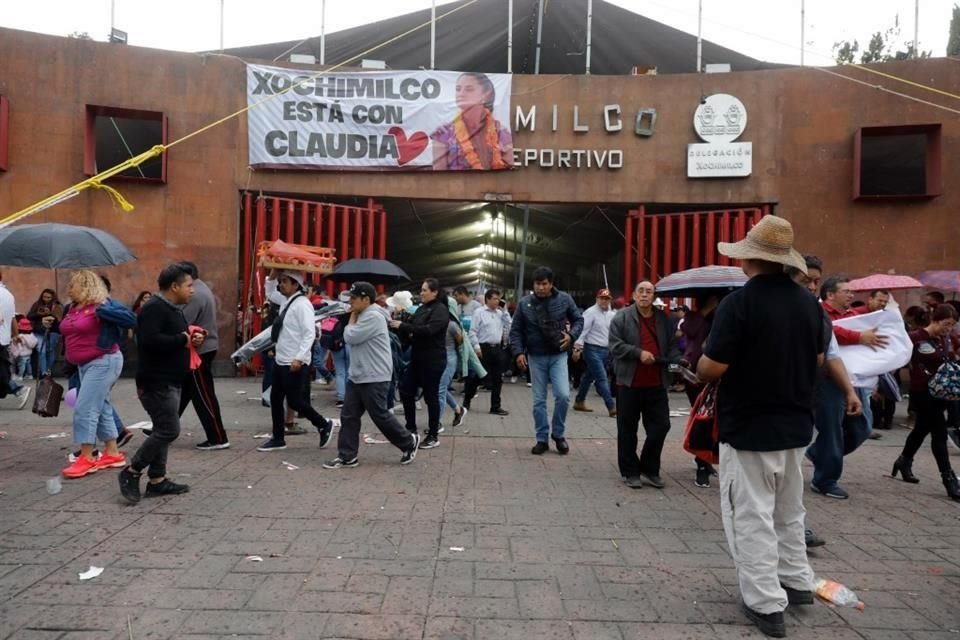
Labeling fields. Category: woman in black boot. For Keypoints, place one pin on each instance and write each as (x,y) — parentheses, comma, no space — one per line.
(931,348)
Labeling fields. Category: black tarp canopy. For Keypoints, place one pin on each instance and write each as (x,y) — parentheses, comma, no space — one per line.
(475,39)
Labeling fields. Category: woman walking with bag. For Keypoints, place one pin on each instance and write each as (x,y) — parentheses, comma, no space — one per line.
(932,350)
(92,330)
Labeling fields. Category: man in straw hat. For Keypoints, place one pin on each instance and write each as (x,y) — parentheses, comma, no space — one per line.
(767,344)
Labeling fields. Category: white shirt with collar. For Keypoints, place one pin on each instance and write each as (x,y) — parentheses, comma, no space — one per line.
(299,329)
(489,326)
(8,310)
(596,327)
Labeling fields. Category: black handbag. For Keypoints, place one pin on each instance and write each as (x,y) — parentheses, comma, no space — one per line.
(46,403)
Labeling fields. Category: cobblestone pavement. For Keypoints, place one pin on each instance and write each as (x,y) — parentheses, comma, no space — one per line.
(477,539)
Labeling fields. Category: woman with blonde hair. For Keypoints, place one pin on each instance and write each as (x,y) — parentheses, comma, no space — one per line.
(92,344)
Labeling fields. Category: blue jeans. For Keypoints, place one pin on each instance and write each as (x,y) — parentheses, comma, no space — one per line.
(23,366)
(47,351)
(550,369)
(837,433)
(445,395)
(596,360)
(341,363)
(74,383)
(93,415)
(319,359)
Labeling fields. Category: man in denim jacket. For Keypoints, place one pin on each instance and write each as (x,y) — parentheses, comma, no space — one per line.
(544,328)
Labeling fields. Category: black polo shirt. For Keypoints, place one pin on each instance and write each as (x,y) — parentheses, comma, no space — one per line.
(770,332)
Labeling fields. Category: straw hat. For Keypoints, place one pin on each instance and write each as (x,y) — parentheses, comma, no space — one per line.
(771,240)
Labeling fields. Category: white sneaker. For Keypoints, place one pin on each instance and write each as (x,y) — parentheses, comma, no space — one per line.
(23,394)
(513,379)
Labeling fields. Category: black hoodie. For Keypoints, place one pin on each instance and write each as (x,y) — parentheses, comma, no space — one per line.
(426,332)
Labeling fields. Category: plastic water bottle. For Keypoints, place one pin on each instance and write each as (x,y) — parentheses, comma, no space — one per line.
(54,486)
(836,593)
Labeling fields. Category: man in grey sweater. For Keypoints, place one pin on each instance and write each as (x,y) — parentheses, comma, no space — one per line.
(198,387)
(371,369)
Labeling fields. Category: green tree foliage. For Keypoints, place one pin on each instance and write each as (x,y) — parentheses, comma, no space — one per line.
(953,44)
(883,46)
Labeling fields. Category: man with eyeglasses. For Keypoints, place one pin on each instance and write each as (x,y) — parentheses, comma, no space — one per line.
(839,434)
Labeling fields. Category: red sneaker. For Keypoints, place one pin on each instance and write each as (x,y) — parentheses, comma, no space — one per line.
(107,461)
(81,467)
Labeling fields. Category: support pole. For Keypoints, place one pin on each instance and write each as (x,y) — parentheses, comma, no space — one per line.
(221,25)
(700,36)
(536,59)
(589,31)
(323,32)
(916,29)
(510,36)
(523,251)
(433,35)
(803,29)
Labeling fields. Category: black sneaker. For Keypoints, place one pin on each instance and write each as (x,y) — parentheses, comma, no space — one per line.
(430,442)
(129,485)
(206,445)
(338,462)
(411,453)
(634,482)
(703,477)
(770,624)
(813,540)
(165,487)
(499,412)
(836,492)
(458,418)
(325,435)
(562,447)
(653,480)
(798,597)
(272,445)
(147,432)
(124,437)
(540,448)
(339,404)
(954,434)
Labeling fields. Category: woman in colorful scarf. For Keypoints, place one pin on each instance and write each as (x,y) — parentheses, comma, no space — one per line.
(474,140)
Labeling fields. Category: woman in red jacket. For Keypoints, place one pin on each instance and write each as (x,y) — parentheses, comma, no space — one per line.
(931,348)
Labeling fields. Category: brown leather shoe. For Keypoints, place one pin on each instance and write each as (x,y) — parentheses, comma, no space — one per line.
(613,412)
(581,406)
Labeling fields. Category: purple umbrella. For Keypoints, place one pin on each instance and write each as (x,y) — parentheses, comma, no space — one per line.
(943,280)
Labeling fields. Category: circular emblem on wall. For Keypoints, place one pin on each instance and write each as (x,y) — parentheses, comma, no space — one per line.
(720,118)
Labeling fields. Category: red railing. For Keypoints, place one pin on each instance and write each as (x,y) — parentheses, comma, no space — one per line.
(664,243)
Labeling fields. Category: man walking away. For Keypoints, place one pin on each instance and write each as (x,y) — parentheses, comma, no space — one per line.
(544,328)
(293,332)
(489,337)
(163,345)
(643,344)
(371,370)
(201,311)
(765,413)
(8,314)
(592,346)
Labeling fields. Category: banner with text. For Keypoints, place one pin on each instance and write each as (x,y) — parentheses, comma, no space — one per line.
(382,120)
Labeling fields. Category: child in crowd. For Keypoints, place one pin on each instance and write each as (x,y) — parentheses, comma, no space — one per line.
(21,348)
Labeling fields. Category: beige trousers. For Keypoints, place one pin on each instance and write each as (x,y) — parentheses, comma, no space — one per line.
(761,496)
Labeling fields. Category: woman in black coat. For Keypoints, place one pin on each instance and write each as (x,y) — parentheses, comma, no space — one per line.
(425,332)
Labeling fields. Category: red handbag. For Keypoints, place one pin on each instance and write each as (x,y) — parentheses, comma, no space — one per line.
(702,434)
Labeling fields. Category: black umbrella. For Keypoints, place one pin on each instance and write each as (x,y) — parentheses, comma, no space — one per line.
(60,246)
(370,270)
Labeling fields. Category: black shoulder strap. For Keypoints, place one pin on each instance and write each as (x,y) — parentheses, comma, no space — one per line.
(278,323)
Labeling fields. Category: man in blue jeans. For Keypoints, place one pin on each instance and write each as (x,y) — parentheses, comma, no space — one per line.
(592,347)
(544,328)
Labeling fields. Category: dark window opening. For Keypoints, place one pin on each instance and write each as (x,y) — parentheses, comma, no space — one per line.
(897,162)
(115,135)
(4,132)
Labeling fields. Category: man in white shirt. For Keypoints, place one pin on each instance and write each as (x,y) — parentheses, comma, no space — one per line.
(8,312)
(489,333)
(592,347)
(293,332)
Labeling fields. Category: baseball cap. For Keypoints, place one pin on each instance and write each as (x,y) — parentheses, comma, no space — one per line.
(604,293)
(363,290)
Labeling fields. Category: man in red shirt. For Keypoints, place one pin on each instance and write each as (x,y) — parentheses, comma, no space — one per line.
(643,344)
(837,298)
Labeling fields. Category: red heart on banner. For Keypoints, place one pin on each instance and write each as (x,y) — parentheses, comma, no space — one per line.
(411,147)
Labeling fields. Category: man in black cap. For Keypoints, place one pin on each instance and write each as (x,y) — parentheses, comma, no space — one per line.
(371,370)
